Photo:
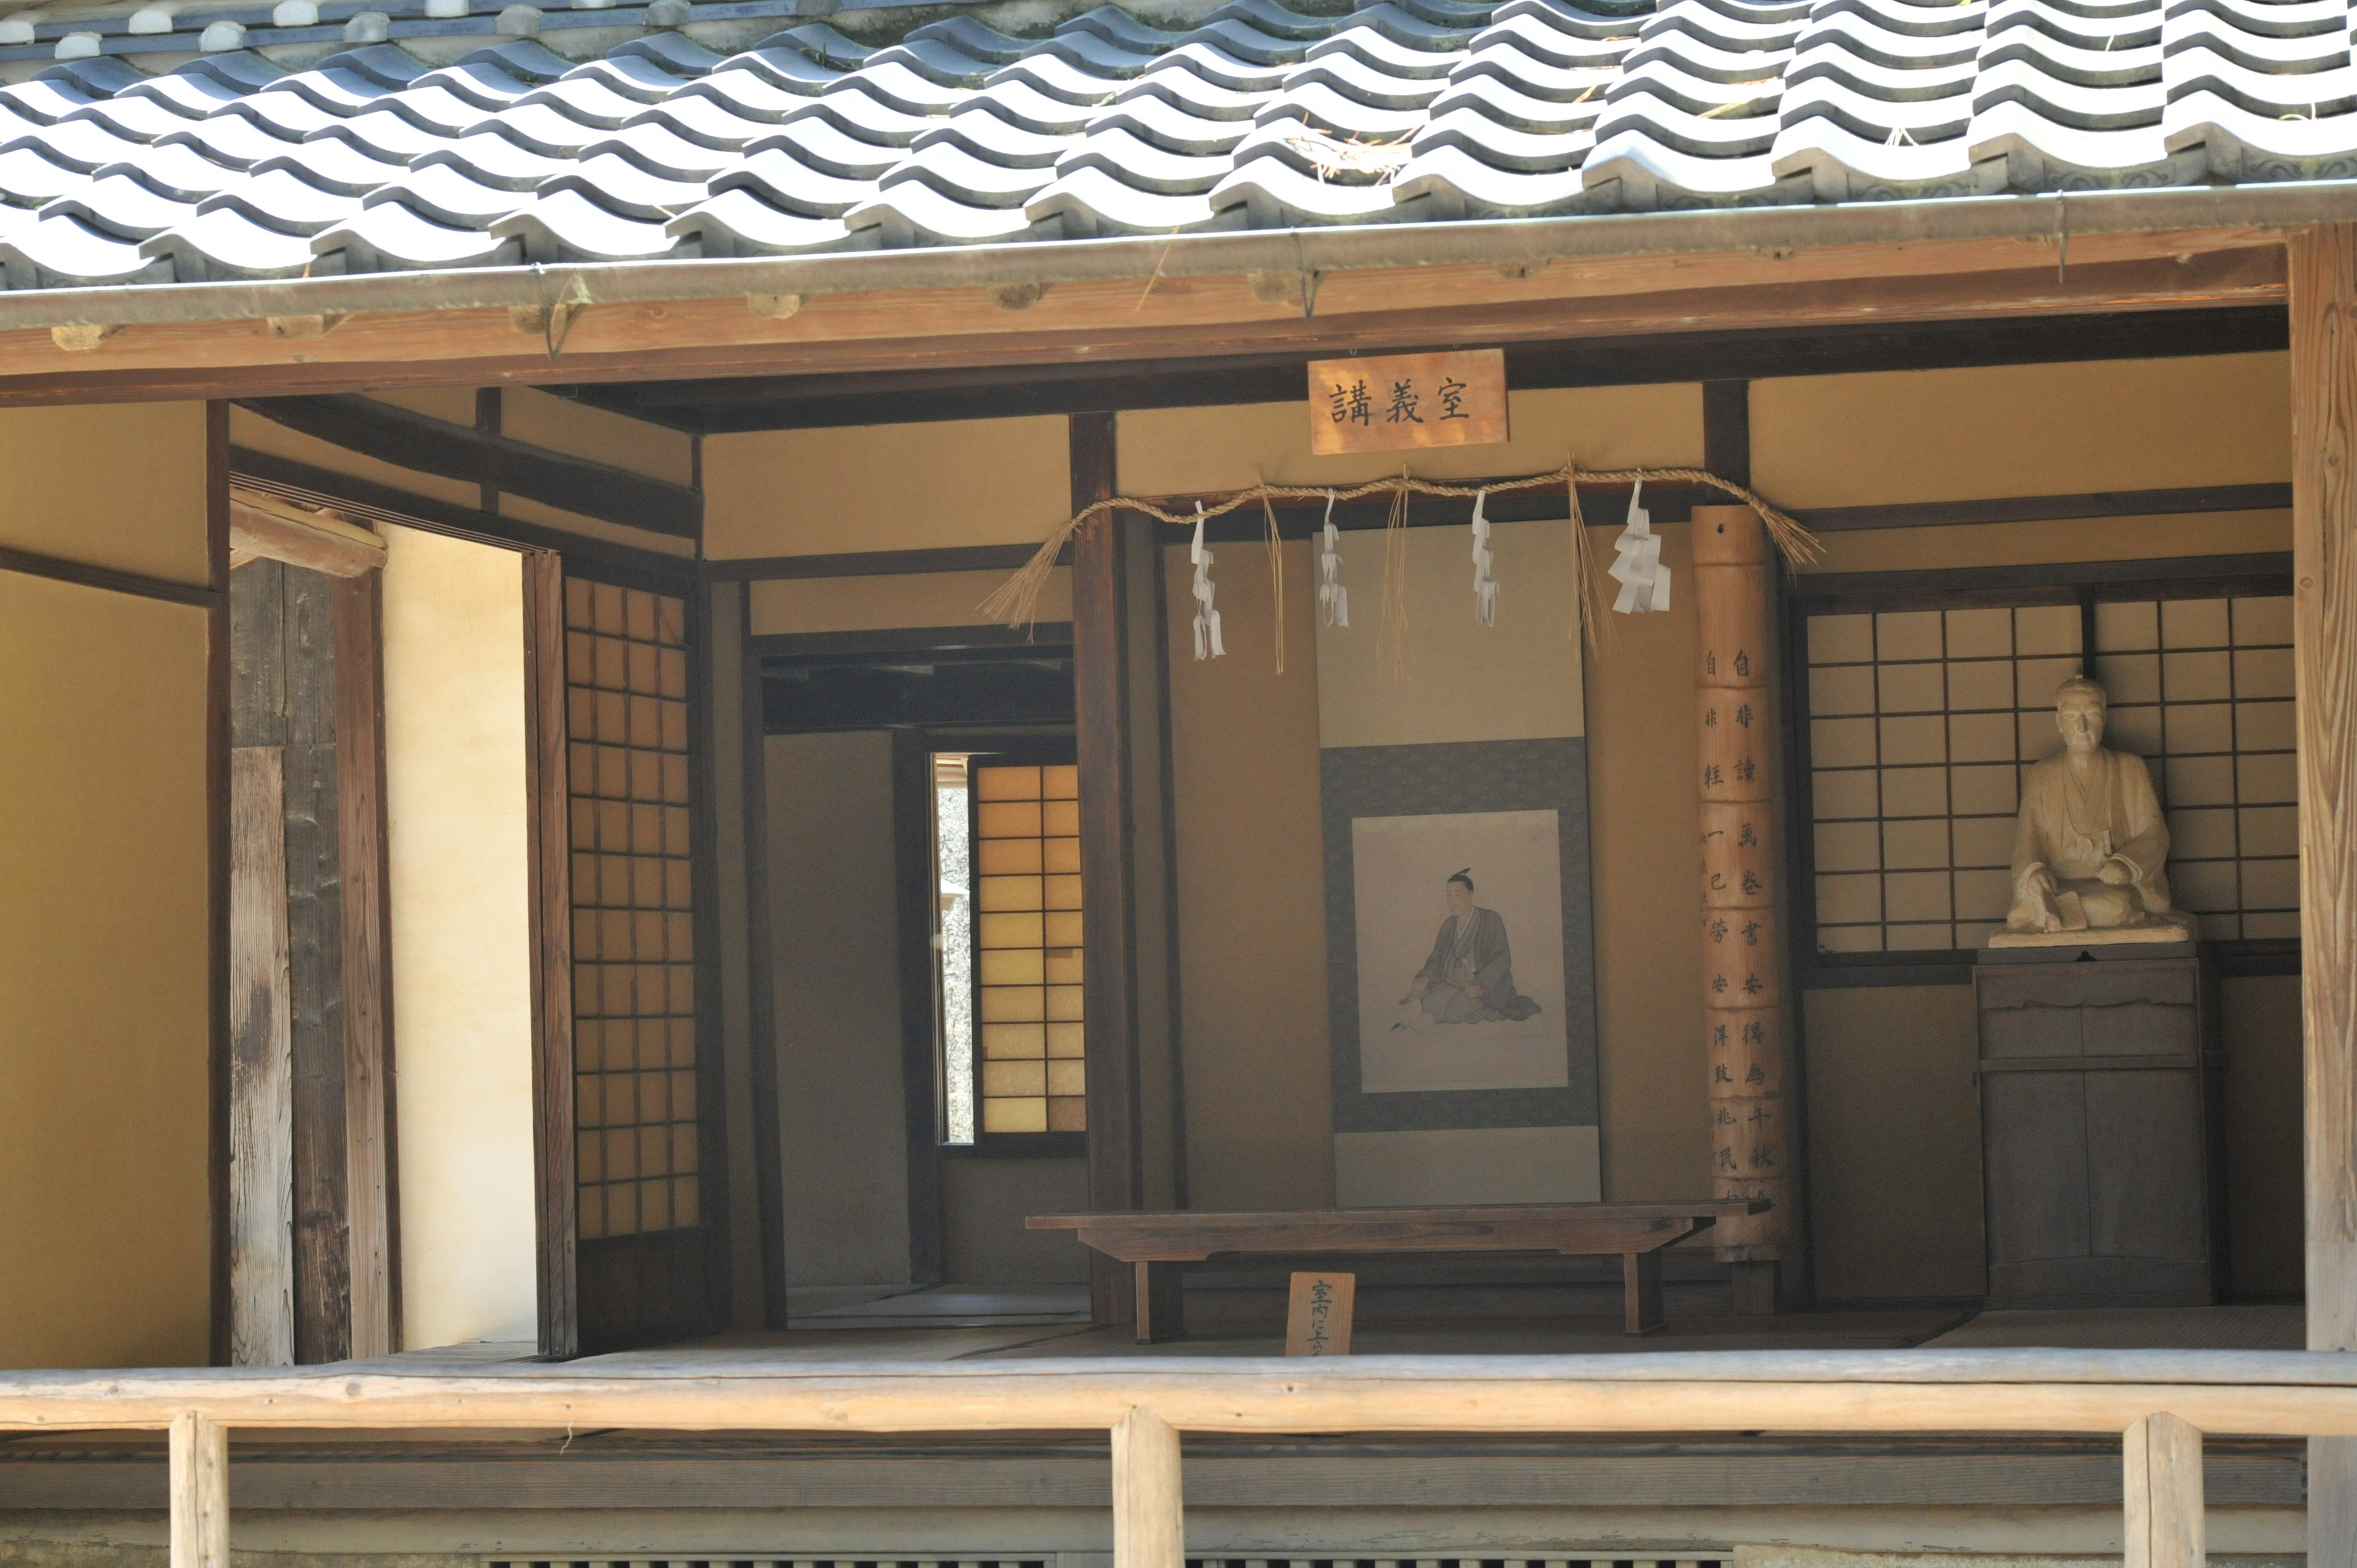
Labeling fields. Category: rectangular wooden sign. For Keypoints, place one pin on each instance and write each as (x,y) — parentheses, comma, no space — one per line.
(1318,1322)
(1406,400)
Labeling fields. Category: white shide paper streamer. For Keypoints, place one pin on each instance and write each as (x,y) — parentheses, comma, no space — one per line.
(1207,620)
(1333,599)
(1485,587)
(1644,581)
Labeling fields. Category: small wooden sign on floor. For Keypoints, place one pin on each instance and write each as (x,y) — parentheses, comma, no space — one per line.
(1318,1323)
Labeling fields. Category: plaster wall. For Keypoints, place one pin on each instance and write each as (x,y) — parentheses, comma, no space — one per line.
(913,599)
(105,986)
(148,516)
(458,875)
(888,486)
(103,960)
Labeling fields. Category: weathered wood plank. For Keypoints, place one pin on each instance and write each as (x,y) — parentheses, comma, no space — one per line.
(364,947)
(2323,282)
(315,950)
(2255,1393)
(261,1194)
(1573,1229)
(200,1492)
(1095,323)
(550,807)
(218,680)
(2163,1484)
(1149,1527)
(260,530)
(414,1475)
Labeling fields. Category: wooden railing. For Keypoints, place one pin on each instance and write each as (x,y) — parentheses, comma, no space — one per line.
(2160,1402)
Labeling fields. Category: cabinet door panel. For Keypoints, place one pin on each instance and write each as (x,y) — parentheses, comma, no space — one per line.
(2035,1136)
(2144,1162)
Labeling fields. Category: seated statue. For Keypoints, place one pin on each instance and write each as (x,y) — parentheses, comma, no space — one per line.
(2089,851)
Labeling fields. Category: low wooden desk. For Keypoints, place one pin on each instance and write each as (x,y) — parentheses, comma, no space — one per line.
(1157,1244)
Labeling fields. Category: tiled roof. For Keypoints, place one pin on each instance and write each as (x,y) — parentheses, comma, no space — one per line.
(229,166)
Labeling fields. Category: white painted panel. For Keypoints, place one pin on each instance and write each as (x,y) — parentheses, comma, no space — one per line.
(1467,1165)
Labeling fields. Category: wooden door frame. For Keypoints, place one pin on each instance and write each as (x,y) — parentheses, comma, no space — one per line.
(547,790)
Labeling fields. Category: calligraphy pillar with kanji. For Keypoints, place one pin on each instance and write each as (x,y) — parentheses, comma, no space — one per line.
(1746,1021)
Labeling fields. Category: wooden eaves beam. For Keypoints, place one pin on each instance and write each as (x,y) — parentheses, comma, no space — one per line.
(1175,318)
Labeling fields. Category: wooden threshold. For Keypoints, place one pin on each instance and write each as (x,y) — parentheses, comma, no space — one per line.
(1176,318)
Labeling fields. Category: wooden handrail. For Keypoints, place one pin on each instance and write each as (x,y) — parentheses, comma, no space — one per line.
(2160,1402)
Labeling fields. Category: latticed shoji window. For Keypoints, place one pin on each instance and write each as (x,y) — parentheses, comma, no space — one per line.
(633,910)
(1922,721)
(1026,915)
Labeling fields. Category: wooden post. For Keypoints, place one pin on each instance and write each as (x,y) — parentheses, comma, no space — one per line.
(199,1487)
(1149,1528)
(262,1094)
(1744,1018)
(2322,276)
(548,806)
(371,1203)
(1108,910)
(2164,1528)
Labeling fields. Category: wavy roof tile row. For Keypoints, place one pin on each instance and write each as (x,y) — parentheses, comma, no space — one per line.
(232,165)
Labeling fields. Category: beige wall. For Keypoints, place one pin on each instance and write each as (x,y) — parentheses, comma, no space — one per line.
(458,868)
(104,952)
(148,514)
(104,957)
(1251,897)
(866,604)
(893,486)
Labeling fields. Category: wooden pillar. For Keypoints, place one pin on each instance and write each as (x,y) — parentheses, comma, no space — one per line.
(548,805)
(370,1201)
(1149,1528)
(1108,910)
(200,1492)
(2323,286)
(262,1098)
(2163,1521)
(1745,1019)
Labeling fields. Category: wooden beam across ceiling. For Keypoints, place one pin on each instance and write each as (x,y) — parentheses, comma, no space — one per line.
(1204,317)
(721,405)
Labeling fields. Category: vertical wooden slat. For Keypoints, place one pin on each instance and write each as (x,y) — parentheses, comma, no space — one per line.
(370,1207)
(262,1133)
(200,1492)
(769,1153)
(2163,1494)
(217,875)
(1149,1527)
(1108,915)
(323,1311)
(2322,276)
(549,806)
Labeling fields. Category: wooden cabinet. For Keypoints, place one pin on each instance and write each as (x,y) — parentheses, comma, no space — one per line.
(2100,1122)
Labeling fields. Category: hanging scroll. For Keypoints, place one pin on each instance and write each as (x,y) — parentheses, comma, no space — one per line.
(1405,401)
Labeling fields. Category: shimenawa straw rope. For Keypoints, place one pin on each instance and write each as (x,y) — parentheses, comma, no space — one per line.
(1016,602)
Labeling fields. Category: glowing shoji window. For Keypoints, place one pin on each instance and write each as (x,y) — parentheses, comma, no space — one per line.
(1026,913)
(633,910)
(1922,721)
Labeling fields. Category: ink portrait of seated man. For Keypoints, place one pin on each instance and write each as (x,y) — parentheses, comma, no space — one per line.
(1470,978)
(2091,847)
